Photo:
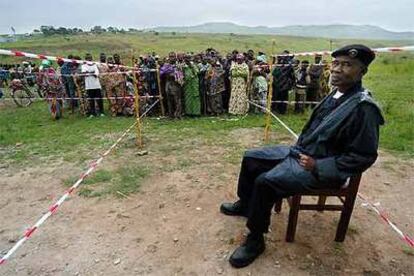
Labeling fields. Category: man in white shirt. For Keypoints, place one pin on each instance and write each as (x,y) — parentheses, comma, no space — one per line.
(93,86)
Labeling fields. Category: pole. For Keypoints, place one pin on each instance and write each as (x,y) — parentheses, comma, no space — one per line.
(159,90)
(268,118)
(138,123)
(80,96)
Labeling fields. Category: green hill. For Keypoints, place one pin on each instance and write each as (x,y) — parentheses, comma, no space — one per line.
(326,31)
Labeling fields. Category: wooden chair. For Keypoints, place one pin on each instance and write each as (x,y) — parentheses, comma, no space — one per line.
(347,196)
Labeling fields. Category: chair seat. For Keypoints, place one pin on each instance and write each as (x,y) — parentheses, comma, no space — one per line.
(326,192)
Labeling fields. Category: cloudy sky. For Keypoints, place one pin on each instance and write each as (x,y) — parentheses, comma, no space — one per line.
(26,15)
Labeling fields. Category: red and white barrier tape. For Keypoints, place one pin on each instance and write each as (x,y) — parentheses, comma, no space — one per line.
(53,58)
(133,97)
(80,98)
(403,236)
(385,218)
(267,66)
(295,102)
(26,75)
(52,209)
(377,50)
(277,118)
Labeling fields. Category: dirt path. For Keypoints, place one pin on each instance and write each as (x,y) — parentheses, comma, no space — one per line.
(173,226)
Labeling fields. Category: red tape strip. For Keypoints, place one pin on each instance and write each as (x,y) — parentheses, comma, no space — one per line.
(409,240)
(2,261)
(71,190)
(383,216)
(30,231)
(18,54)
(53,208)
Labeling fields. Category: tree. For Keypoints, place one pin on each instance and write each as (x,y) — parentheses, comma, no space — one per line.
(47,30)
(62,31)
(98,30)
(112,29)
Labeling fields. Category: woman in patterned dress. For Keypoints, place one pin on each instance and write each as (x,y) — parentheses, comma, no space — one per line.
(239,73)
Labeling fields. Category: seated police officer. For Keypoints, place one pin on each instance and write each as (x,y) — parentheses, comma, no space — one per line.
(339,140)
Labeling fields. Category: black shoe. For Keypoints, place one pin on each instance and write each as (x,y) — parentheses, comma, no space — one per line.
(248,251)
(234,209)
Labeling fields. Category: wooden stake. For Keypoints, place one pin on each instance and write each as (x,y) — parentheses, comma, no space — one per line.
(159,90)
(80,96)
(268,119)
(138,124)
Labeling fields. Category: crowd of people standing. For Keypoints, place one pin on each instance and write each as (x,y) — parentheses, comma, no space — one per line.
(211,84)
(191,84)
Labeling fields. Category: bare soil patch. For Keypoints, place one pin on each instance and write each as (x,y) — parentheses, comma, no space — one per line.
(173,225)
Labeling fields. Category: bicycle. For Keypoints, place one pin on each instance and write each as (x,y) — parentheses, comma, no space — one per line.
(21,93)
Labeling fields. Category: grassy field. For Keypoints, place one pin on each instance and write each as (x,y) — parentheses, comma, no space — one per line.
(163,43)
(29,135)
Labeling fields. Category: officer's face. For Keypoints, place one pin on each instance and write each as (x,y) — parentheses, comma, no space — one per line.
(346,71)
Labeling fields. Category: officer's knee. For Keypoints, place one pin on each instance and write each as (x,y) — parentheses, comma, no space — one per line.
(261,182)
(247,160)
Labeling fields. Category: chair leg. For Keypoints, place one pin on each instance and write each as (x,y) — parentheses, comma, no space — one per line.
(293,218)
(345,218)
(278,206)
(321,202)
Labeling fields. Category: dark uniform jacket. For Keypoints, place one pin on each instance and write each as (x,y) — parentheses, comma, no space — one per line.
(341,135)
(283,77)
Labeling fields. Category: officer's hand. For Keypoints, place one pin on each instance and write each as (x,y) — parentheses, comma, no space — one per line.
(307,162)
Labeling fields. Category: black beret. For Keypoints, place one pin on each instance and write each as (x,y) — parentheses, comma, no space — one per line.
(358,51)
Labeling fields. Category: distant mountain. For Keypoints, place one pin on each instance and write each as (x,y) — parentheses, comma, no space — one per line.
(327,31)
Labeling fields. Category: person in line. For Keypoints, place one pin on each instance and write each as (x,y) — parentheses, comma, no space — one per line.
(93,87)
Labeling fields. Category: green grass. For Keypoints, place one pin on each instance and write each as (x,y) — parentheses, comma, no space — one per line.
(74,138)
(408,250)
(120,183)
(40,136)
(98,177)
(391,80)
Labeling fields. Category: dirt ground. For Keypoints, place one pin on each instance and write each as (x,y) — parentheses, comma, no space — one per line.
(173,225)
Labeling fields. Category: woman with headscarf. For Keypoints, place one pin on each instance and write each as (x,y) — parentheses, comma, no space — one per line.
(192,104)
(259,85)
(115,88)
(215,87)
(239,73)
(173,86)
